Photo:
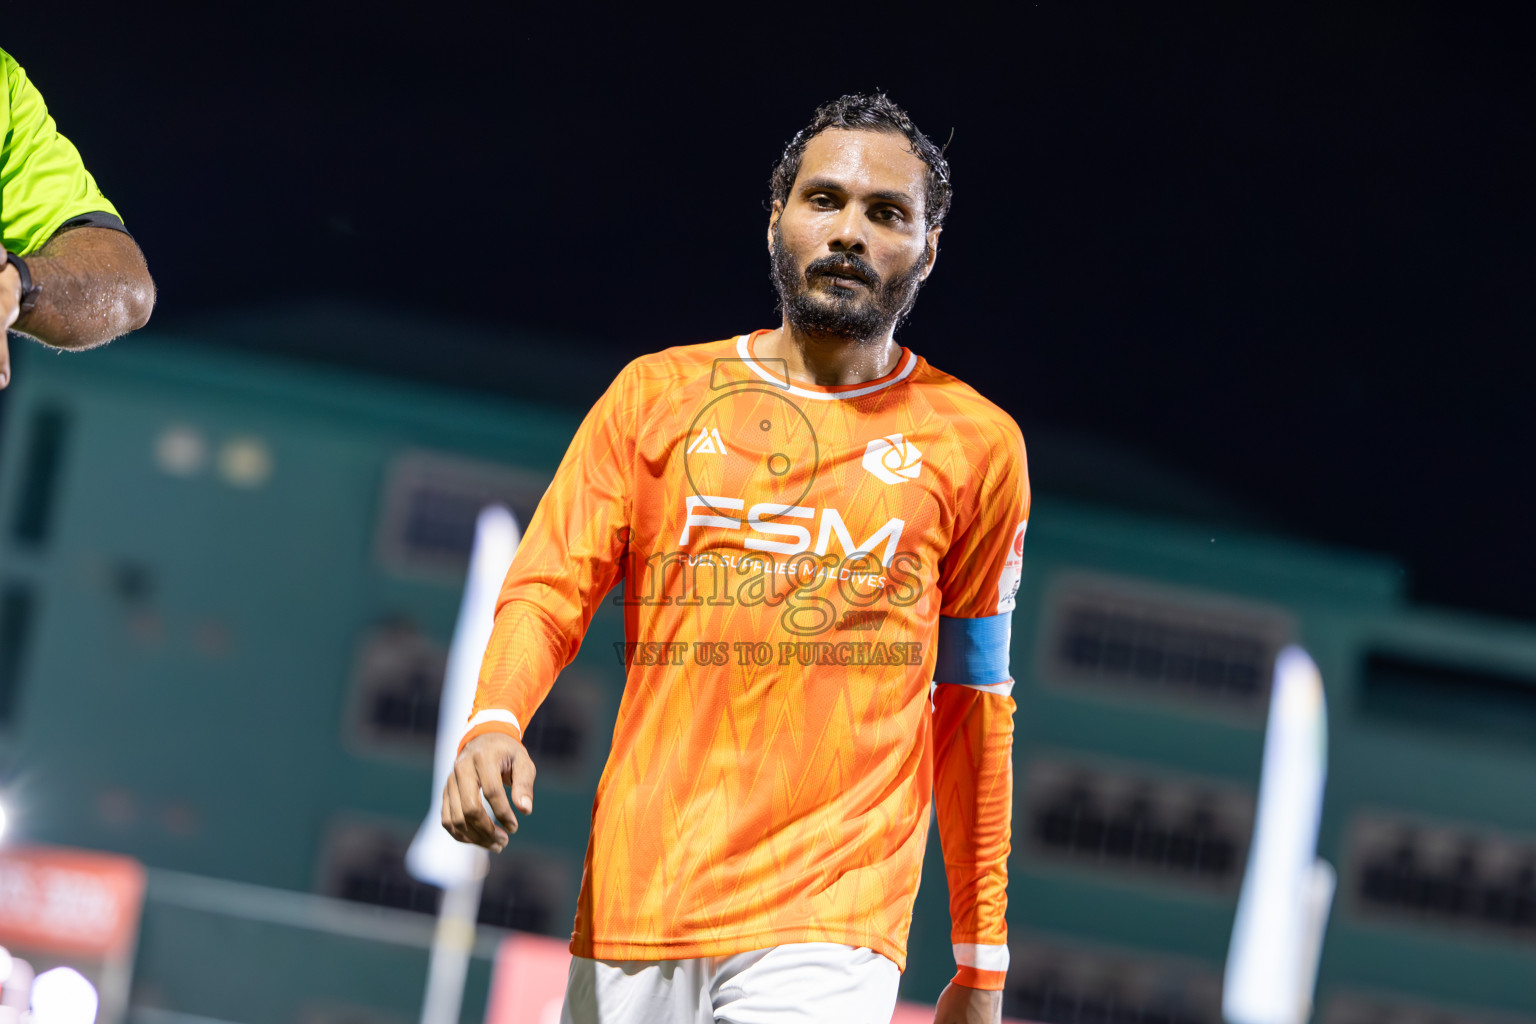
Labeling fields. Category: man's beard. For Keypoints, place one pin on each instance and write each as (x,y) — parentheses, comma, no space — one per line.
(854,314)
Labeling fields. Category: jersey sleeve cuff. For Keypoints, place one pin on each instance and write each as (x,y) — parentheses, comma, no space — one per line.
(96,219)
(981,965)
(493,720)
(975,977)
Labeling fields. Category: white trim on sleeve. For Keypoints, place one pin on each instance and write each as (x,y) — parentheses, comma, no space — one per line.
(494,715)
(983,958)
(1003,689)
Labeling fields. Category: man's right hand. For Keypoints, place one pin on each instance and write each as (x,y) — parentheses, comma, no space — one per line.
(487,764)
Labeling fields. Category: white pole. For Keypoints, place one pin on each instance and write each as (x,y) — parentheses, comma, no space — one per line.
(452,944)
(1283,906)
(434,857)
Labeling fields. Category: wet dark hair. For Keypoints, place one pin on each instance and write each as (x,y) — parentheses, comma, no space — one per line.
(870,113)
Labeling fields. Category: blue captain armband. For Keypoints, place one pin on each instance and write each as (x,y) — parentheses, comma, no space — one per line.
(974,653)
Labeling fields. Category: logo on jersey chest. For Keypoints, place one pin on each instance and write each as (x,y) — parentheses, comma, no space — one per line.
(708,442)
(772,520)
(893,459)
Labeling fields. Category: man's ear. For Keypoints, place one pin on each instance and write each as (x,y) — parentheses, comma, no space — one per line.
(774,213)
(933,250)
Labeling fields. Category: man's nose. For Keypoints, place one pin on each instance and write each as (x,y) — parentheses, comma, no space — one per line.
(848,231)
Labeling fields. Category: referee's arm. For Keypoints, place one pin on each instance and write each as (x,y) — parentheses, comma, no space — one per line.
(89,282)
(93,286)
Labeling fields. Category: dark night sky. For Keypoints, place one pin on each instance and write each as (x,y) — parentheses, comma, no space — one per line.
(1289,253)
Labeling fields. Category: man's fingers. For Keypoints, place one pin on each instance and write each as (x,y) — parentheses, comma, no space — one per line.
(495,794)
(468,793)
(10,292)
(453,815)
(478,826)
(10,304)
(520,779)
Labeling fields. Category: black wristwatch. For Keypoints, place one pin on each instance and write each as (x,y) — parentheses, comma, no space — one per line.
(30,289)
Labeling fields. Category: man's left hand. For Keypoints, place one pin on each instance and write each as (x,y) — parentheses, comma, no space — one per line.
(10,309)
(961,1005)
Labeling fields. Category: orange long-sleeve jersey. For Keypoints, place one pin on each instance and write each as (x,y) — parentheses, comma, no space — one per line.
(798,564)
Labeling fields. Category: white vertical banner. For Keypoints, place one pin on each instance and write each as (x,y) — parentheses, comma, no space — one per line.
(1283,907)
(436,857)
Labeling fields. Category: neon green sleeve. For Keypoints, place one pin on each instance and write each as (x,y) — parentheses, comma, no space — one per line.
(43,182)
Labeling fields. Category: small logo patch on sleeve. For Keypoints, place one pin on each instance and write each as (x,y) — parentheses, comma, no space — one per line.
(1008,581)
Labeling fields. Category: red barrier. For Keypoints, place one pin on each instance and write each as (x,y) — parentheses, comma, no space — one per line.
(528,984)
(69,902)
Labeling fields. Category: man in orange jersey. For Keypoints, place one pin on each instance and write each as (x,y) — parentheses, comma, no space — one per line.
(819,538)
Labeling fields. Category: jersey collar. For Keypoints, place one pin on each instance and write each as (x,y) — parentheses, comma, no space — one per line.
(904,367)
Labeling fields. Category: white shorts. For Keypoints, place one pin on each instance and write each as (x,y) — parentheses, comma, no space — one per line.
(802,981)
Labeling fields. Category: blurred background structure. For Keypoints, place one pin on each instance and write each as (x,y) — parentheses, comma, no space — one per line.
(1254,282)
(229,583)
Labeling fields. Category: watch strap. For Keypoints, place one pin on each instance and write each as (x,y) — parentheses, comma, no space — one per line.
(30,289)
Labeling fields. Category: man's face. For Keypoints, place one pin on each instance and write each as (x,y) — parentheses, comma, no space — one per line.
(850,245)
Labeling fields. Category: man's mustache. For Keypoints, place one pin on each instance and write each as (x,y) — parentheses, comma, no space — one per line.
(844,263)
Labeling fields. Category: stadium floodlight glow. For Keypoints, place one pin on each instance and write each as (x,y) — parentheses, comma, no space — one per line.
(63,996)
(1283,907)
(434,856)
(2,822)
(6,965)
